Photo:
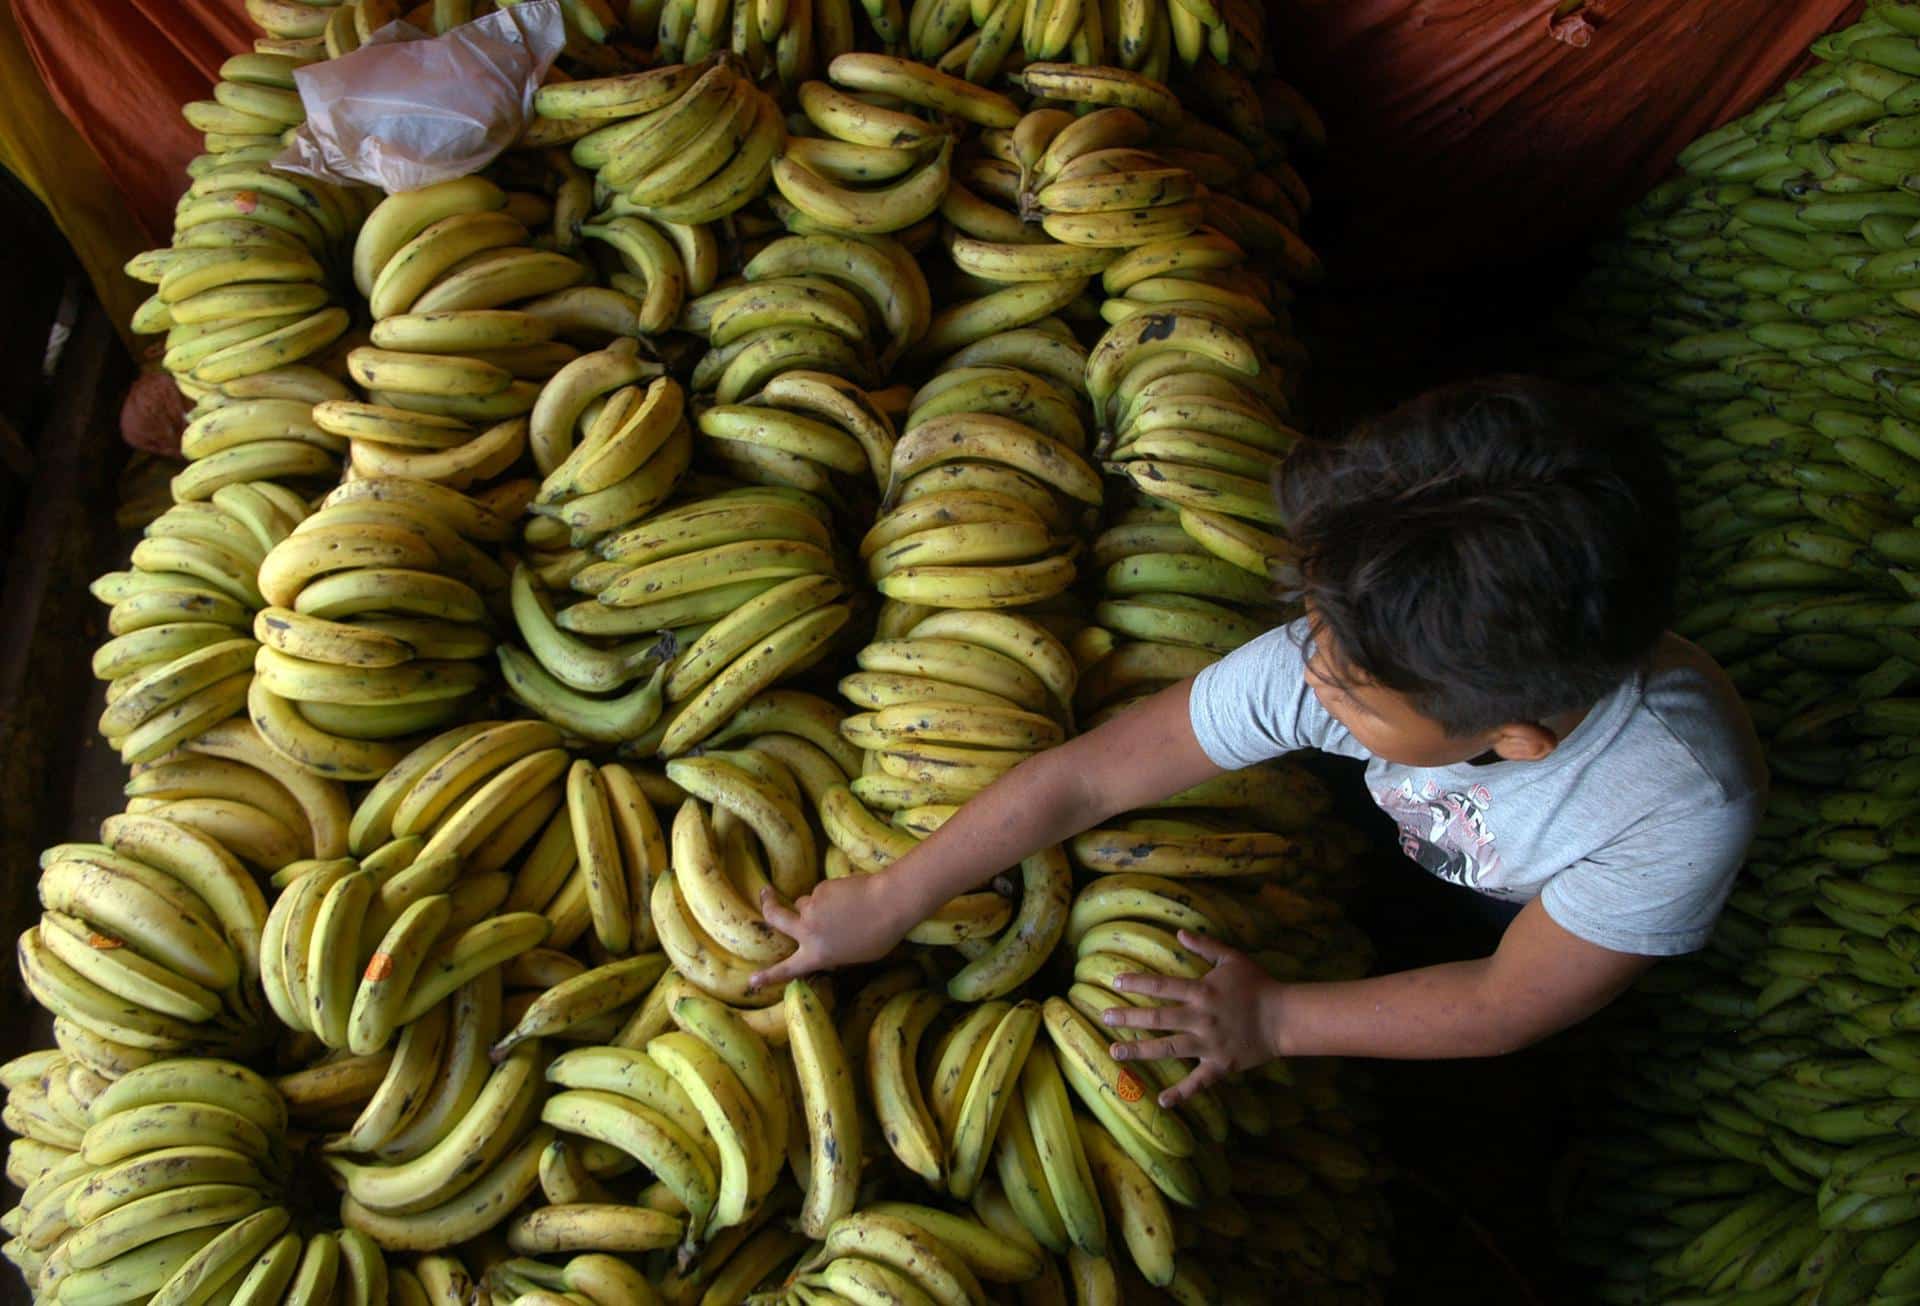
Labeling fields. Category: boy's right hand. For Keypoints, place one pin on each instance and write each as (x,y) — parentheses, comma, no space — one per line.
(841,922)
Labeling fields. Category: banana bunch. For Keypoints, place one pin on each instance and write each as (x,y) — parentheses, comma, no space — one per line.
(259,429)
(1005,664)
(598,102)
(451,380)
(571,669)
(553,877)
(744,583)
(171,1190)
(865,169)
(983,204)
(950,703)
(1168,605)
(550,995)
(802,425)
(982,308)
(621,854)
(1203,272)
(1147,38)
(454,349)
(597,1277)
(757,332)
(239,296)
(1212,423)
(1133,353)
(1089,191)
(396,1104)
(351,23)
(754,836)
(294,30)
(442,269)
(1005,518)
(148,944)
(953,747)
(1031,373)
(1205,845)
(1210,452)
(1015,427)
(355,949)
(1003,36)
(181,654)
(246,285)
(689,147)
(484,796)
(656,263)
(255,103)
(878,1253)
(1142,170)
(700,1101)
(997,551)
(375,625)
(47,1097)
(941,1110)
(1162,585)
(878,271)
(193,569)
(228,784)
(484,1161)
(608,439)
(769,41)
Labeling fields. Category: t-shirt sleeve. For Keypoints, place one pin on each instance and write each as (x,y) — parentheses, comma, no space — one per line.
(1254,704)
(1658,891)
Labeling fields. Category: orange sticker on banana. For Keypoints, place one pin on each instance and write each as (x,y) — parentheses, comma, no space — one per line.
(379,966)
(104,942)
(1128,1087)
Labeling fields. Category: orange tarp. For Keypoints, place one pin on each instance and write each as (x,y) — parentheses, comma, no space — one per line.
(121,69)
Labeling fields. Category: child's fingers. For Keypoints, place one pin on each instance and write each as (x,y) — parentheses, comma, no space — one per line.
(778,914)
(1155,1049)
(1144,1017)
(1157,986)
(1203,1075)
(1205,946)
(780,972)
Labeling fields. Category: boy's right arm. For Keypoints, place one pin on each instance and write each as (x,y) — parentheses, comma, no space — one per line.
(1144,754)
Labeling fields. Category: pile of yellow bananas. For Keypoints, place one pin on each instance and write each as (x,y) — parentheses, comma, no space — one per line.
(808,434)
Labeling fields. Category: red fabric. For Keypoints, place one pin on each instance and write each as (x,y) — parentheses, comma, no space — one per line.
(121,69)
(1471,132)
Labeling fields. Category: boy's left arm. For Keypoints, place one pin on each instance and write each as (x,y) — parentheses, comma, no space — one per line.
(1540,980)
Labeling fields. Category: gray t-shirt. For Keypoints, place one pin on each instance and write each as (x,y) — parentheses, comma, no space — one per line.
(1630,831)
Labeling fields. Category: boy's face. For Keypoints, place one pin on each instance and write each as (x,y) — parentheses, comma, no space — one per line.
(1386,723)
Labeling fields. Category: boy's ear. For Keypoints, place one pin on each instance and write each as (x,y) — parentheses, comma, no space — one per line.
(1523,741)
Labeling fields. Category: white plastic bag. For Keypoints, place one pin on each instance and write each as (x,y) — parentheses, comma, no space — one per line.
(407,110)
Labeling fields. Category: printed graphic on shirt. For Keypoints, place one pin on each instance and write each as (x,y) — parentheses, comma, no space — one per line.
(1445,831)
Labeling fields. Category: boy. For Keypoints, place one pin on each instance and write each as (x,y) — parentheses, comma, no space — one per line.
(1487,575)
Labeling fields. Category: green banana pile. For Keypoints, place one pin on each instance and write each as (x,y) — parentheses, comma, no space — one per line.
(1754,1143)
(807,434)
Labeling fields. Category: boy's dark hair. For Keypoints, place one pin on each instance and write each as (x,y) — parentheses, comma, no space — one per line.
(1497,550)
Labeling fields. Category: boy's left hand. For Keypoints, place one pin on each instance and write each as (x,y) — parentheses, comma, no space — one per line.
(1220,1020)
